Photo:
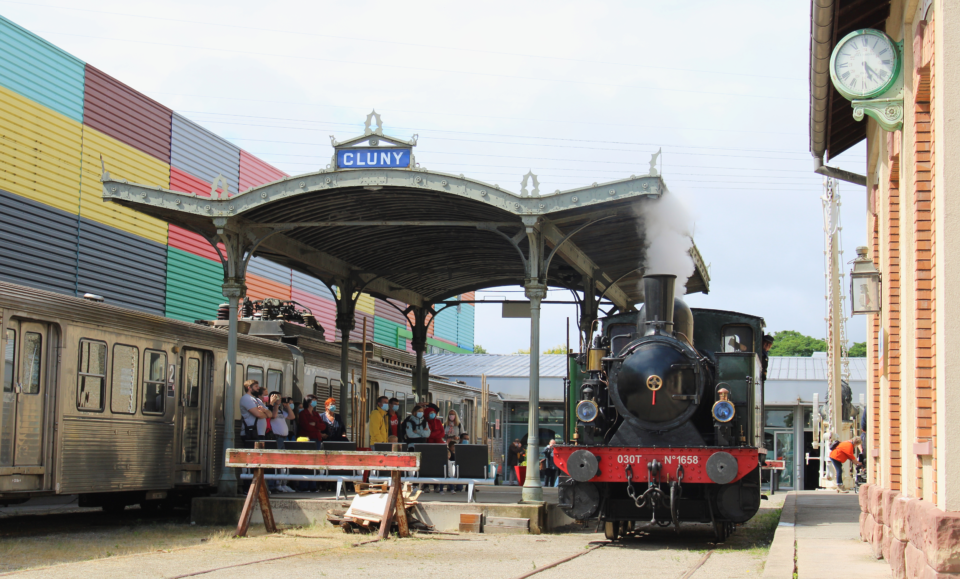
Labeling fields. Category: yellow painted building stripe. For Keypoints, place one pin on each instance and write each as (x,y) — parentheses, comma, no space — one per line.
(365,304)
(122,162)
(39,152)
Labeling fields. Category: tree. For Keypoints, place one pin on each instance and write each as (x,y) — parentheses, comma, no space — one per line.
(858,350)
(524,351)
(478,349)
(561,349)
(791,343)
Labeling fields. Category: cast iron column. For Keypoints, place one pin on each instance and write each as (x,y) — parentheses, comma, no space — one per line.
(233,291)
(419,342)
(532,490)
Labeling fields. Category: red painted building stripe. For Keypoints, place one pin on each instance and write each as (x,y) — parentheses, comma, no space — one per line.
(255,172)
(323,309)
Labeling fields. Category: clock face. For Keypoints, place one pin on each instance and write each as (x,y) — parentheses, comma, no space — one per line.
(865,64)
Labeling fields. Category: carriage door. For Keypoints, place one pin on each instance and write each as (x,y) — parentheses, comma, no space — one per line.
(24,373)
(194,388)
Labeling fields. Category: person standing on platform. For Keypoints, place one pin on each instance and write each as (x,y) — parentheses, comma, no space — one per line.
(435,424)
(336,431)
(309,423)
(514,458)
(452,428)
(846,450)
(393,420)
(377,425)
(550,467)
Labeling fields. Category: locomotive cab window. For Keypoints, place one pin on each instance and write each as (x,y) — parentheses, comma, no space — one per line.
(737,339)
(9,353)
(154,381)
(255,373)
(123,379)
(91,375)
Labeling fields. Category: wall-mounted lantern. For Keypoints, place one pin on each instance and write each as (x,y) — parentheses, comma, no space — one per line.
(864,285)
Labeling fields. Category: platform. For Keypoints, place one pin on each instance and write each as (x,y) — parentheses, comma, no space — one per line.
(440,510)
(819,536)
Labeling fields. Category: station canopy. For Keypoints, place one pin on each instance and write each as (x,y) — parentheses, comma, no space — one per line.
(400,231)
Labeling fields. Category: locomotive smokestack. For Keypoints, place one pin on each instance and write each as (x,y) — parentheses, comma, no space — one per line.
(658,291)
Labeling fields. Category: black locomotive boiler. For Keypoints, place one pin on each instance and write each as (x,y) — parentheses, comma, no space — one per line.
(668,419)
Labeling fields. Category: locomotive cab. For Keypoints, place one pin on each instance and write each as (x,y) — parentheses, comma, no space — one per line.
(668,418)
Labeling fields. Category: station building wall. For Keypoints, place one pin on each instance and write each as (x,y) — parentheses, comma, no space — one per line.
(62,122)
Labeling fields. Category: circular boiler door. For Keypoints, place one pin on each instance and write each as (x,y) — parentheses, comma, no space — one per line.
(657,385)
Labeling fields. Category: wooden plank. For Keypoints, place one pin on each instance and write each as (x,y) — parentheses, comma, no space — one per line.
(403,526)
(388,508)
(247,511)
(265,510)
(347,460)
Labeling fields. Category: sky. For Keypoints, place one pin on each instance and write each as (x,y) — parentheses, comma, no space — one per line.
(577,92)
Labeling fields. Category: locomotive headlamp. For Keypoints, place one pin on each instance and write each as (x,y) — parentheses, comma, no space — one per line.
(587,411)
(864,285)
(723,409)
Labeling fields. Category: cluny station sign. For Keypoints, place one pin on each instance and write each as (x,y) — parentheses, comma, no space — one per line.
(367,152)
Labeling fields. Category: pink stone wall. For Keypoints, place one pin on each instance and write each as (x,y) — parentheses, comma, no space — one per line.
(914,536)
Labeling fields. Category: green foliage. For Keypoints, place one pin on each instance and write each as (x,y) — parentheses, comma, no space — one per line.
(858,350)
(478,349)
(561,349)
(523,351)
(791,343)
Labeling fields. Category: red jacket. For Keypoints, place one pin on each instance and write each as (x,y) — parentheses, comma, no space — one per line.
(436,430)
(305,429)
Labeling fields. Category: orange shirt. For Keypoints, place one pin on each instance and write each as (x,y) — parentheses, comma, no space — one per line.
(844,452)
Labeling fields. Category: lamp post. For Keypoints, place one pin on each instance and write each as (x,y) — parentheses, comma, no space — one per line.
(864,285)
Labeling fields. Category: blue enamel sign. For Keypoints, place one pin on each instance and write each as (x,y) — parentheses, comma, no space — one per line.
(366,158)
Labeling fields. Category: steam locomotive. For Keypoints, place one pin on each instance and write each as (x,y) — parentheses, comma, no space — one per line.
(669,419)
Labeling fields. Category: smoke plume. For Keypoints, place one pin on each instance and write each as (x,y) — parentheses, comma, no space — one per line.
(666,227)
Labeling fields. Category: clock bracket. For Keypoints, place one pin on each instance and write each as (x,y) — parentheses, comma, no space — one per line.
(886,109)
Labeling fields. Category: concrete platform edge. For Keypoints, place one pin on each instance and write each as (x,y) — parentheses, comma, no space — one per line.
(223,511)
(780,559)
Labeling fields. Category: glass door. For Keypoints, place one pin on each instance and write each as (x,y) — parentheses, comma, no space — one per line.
(193,388)
(781,445)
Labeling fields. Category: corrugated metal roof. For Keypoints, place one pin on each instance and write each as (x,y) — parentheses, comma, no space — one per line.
(40,71)
(495,365)
(46,245)
(203,154)
(810,368)
(126,115)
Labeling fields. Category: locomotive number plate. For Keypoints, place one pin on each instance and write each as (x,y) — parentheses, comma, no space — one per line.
(670,459)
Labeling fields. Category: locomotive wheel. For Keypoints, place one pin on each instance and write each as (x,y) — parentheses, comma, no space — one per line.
(611,530)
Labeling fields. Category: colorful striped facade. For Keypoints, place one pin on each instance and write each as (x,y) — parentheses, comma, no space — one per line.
(62,121)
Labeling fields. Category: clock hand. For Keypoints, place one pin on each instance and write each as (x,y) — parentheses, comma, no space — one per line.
(870,71)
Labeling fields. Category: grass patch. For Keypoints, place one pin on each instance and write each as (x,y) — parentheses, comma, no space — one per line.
(756,535)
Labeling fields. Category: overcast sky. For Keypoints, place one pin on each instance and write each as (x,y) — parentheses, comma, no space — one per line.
(579,92)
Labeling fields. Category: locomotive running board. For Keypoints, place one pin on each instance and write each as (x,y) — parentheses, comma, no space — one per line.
(684,435)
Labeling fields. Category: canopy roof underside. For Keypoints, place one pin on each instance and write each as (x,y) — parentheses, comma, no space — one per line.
(421,236)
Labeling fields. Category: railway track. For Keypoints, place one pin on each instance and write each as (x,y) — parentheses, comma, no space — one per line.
(60,520)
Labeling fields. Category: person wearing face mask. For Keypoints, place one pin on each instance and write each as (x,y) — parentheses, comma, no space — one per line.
(309,423)
(415,427)
(251,410)
(452,428)
(378,421)
(436,425)
(336,431)
(393,419)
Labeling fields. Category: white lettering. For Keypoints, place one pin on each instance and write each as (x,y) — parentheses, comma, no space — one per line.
(372,158)
(360,160)
(385,158)
(397,156)
(348,158)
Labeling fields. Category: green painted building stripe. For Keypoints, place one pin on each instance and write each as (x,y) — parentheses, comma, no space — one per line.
(386,332)
(193,286)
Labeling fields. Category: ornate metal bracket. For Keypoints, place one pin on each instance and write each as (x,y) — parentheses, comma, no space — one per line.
(888,112)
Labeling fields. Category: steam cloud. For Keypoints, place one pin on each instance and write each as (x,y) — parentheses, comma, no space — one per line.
(666,229)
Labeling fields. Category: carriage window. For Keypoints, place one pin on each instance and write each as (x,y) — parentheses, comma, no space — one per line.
(91,375)
(192,394)
(154,381)
(737,339)
(274,380)
(32,344)
(334,390)
(255,373)
(123,380)
(9,350)
(320,388)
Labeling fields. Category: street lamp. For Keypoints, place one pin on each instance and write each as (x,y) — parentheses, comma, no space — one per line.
(864,285)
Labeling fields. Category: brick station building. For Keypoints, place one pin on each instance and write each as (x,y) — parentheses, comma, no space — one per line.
(911,506)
